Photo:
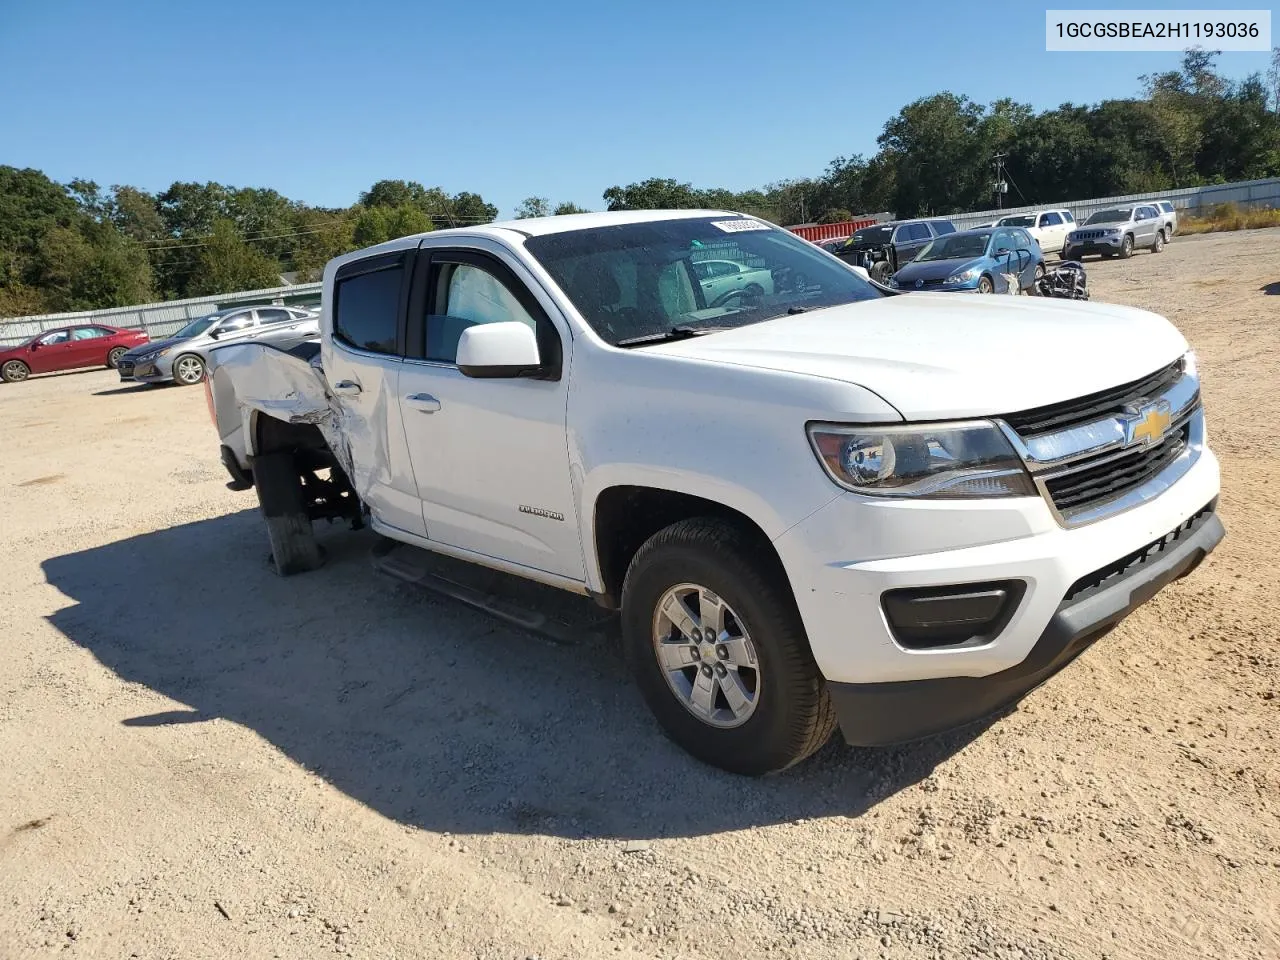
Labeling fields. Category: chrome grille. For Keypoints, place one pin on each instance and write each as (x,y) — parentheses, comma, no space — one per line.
(1114,475)
(1088,457)
(1105,403)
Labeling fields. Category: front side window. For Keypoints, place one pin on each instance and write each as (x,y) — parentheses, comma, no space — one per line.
(58,336)
(1050,220)
(367,305)
(235,323)
(467,295)
(196,327)
(641,280)
(918,231)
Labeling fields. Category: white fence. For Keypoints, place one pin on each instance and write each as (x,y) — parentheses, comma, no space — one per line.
(158,319)
(1187,200)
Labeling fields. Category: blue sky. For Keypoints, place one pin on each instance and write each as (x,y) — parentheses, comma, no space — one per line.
(556,99)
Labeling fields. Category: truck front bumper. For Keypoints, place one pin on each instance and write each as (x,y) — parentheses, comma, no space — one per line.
(1062,587)
(879,714)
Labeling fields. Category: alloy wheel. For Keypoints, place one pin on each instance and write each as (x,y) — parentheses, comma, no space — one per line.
(706,655)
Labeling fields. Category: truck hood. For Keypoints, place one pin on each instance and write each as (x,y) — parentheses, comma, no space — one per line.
(943,356)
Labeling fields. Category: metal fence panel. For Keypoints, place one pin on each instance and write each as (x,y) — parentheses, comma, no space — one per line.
(158,319)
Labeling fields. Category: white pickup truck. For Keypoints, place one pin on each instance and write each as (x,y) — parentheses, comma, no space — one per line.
(813,502)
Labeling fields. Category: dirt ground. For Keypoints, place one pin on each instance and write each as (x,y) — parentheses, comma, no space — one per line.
(201,760)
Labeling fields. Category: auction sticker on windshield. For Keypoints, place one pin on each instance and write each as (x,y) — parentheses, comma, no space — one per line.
(737,226)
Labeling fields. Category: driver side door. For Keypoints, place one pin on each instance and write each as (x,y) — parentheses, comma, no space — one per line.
(51,352)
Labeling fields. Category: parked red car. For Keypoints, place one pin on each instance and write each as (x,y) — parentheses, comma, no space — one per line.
(87,345)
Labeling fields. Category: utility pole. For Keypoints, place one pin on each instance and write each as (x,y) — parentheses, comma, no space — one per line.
(998,160)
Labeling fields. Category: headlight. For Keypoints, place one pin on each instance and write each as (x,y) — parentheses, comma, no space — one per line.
(964,277)
(153,354)
(947,460)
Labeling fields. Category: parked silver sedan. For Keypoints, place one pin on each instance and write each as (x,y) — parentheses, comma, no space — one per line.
(182,357)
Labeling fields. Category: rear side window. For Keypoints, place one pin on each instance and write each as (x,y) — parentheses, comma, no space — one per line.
(943,226)
(1068,216)
(1050,220)
(918,231)
(367,304)
(273,316)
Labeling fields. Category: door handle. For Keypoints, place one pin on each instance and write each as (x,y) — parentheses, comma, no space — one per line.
(346,388)
(424,402)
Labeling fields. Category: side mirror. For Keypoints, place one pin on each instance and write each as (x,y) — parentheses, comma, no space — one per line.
(1003,251)
(215,333)
(508,349)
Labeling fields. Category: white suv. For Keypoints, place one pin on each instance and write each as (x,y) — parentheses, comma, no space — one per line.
(822,503)
(1049,227)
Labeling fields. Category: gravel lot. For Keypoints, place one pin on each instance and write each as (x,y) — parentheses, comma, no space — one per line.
(202,760)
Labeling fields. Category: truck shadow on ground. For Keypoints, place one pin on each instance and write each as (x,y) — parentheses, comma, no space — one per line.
(429,712)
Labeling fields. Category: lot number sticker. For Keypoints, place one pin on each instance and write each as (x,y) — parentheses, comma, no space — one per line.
(738,226)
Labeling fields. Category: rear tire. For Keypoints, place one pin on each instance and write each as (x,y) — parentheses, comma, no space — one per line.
(789,713)
(879,272)
(14,371)
(293,541)
(113,358)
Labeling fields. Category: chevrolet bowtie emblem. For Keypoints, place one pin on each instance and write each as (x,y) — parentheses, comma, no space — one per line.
(1147,423)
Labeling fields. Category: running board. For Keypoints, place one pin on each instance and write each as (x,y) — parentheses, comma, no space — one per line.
(575,620)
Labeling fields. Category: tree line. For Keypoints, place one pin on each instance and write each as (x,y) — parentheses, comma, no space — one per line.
(78,246)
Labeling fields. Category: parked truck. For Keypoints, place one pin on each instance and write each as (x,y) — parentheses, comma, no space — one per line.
(813,504)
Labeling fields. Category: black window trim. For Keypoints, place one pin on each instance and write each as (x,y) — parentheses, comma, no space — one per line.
(425,277)
(404,260)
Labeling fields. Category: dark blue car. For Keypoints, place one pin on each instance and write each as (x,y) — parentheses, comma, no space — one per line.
(974,261)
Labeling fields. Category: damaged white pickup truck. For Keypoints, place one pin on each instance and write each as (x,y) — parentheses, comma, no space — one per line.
(814,502)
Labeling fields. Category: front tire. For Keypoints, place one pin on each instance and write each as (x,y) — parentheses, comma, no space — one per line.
(293,541)
(15,371)
(1126,247)
(113,358)
(879,272)
(188,370)
(986,284)
(744,694)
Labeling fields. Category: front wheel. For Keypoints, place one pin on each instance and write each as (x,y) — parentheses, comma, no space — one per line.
(284,508)
(1126,248)
(986,285)
(715,642)
(113,358)
(15,371)
(188,370)
(879,272)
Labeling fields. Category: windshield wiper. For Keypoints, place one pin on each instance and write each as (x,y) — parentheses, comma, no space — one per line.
(675,333)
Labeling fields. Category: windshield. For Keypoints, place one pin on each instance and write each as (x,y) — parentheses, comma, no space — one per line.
(1026,220)
(1118,215)
(879,234)
(643,280)
(195,327)
(957,246)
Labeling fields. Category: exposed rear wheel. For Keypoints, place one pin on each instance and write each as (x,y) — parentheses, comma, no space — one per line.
(284,508)
(14,371)
(717,648)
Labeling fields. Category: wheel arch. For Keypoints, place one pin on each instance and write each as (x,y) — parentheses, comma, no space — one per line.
(623,516)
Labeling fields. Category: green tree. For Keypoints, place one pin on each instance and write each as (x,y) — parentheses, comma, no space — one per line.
(568,206)
(228,264)
(322,235)
(92,266)
(134,214)
(835,216)
(533,207)
(380,223)
(190,209)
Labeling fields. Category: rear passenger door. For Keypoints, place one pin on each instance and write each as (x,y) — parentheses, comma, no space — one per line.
(490,455)
(914,237)
(362,360)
